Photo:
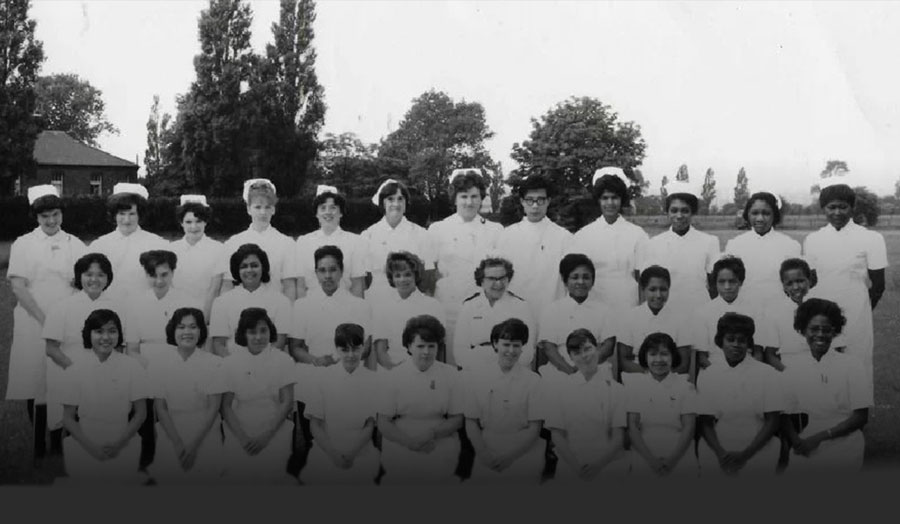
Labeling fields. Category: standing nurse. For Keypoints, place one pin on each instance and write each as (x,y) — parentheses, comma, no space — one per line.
(198,255)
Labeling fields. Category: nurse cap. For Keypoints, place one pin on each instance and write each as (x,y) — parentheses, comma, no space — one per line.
(611,170)
(193,199)
(378,191)
(36,192)
(254,181)
(834,180)
(322,188)
(133,189)
(460,172)
(680,186)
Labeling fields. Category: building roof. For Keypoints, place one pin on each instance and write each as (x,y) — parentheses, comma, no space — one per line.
(58,148)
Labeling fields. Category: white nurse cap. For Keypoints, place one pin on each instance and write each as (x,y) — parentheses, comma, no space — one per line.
(680,186)
(611,170)
(460,172)
(133,189)
(254,181)
(377,191)
(322,188)
(193,199)
(834,181)
(36,192)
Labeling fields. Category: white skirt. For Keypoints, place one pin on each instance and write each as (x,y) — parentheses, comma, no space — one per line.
(27,359)
(208,465)
(82,468)
(268,466)
(404,466)
(526,470)
(320,469)
(838,456)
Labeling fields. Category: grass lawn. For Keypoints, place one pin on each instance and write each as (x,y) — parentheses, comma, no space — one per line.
(882,444)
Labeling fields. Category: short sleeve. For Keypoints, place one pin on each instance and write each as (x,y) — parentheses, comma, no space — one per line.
(546,328)
(132,314)
(635,393)
(358,257)
(689,401)
(214,380)
(285,372)
(230,373)
(315,404)
(768,331)
(876,251)
(55,322)
(705,398)
(19,263)
(140,382)
(281,317)
(555,396)
(472,408)
(288,258)
(387,392)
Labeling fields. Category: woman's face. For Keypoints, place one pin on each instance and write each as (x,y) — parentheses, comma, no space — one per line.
(728,285)
(260,210)
(610,204)
(586,358)
(819,333)
(580,282)
(161,280)
(329,274)
(258,337)
(659,361)
(250,271)
(656,293)
(468,203)
(422,353)
(838,213)
(795,284)
(105,338)
(127,220)
(187,332)
(328,214)
(495,282)
(395,206)
(193,227)
(680,215)
(50,221)
(761,216)
(350,356)
(735,346)
(94,280)
(508,352)
(404,279)
(535,204)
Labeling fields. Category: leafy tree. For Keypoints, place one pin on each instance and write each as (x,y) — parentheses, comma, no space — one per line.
(575,138)
(348,163)
(66,102)
(161,163)
(708,193)
(866,210)
(832,168)
(663,191)
(682,174)
(495,190)
(741,189)
(21,55)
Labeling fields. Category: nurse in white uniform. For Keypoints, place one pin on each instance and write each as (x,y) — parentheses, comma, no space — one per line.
(257,403)
(588,421)
(40,275)
(830,388)
(762,249)
(392,234)
(459,242)
(124,245)
(613,243)
(98,393)
(188,384)
(421,410)
(198,254)
(341,411)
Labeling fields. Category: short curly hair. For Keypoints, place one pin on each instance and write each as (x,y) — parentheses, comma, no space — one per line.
(339,201)
(510,329)
(769,199)
(735,323)
(427,327)
(572,261)
(688,198)
(614,185)
(157,257)
(654,340)
(578,338)
(84,263)
(462,183)
(243,252)
(733,263)
(395,262)
(203,213)
(819,306)
(123,202)
(492,262)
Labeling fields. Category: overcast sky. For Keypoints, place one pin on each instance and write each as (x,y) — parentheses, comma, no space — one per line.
(778,88)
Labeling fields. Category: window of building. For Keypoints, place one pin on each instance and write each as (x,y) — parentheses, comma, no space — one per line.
(97,184)
(56,179)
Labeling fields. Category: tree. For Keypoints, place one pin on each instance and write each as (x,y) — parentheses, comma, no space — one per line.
(741,190)
(682,174)
(159,161)
(69,103)
(708,193)
(21,56)
(436,136)
(897,189)
(348,163)
(866,209)
(575,138)
(495,190)
(663,191)
(832,168)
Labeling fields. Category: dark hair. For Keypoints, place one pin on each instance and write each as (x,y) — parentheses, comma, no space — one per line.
(819,306)
(427,327)
(735,323)
(242,253)
(614,185)
(571,262)
(250,317)
(769,199)
(655,272)
(794,263)
(84,263)
(262,189)
(492,262)
(688,198)
(462,183)
(389,189)
(123,202)
(339,201)
(735,264)
(200,211)
(96,320)
(535,183)
(397,258)
(176,319)
(157,257)
(46,203)
(841,192)
(578,338)
(349,335)
(510,329)
(329,251)
(654,340)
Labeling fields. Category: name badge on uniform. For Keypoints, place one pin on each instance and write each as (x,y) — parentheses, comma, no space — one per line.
(432,385)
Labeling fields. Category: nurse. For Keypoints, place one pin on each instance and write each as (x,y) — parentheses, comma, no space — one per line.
(124,245)
(98,392)
(535,244)
(612,243)
(330,206)
(688,254)
(762,249)
(505,412)
(459,242)
(830,388)
(198,254)
(188,384)
(393,233)
(341,412)
(845,258)
(257,403)
(261,199)
(588,422)
(421,410)
(40,275)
